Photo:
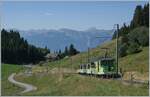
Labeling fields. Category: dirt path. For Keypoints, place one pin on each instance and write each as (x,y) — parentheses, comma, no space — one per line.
(27,87)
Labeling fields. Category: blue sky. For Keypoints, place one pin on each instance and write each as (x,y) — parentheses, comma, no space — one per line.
(74,15)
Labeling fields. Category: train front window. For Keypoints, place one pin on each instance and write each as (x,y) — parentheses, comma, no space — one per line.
(107,62)
(103,62)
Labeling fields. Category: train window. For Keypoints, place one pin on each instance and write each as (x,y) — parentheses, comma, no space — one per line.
(107,62)
(84,66)
(92,65)
(88,66)
(80,66)
(110,62)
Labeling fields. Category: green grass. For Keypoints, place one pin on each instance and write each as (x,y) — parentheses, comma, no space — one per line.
(136,62)
(6,87)
(77,85)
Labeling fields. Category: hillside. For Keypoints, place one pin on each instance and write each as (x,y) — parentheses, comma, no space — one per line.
(60,83)
(137,64)
(134,62)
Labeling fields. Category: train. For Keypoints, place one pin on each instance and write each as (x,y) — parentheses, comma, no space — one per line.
(101,66)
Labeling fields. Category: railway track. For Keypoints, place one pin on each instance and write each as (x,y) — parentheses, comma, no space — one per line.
(119,79)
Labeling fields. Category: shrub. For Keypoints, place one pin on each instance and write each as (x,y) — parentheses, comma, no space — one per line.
(123,50)
(134,47)
(139,35)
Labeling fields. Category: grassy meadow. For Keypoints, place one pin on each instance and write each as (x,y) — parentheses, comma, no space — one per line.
(78,85)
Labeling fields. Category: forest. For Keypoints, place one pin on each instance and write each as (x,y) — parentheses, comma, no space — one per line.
(135,35)
(16,50)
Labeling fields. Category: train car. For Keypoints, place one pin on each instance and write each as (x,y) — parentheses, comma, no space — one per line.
(99,66)
(82,69)
(88,69)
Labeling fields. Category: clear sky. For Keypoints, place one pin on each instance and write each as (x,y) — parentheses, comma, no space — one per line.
(74,15)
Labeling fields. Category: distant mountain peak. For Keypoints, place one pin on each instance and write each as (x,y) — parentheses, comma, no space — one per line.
(92,28)
(67,30)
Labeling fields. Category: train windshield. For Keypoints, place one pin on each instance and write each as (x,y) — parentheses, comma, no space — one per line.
(107,62)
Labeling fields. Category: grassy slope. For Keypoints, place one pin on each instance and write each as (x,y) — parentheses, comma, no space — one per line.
(82,57)
(7,88)
(136,62)
(79,85)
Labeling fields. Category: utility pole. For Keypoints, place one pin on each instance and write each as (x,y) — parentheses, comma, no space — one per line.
(81,59)
(88,54)
(117,46)
(59,67)
(88,49)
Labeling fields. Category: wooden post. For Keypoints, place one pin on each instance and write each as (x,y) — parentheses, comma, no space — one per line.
(148,84)
(47,67)
(132,78)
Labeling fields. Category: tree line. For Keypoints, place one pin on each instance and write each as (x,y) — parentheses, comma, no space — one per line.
(69,51)
(16,50)
(135,35)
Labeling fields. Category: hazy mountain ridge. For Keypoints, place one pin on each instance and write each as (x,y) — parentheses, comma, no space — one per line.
(58,39)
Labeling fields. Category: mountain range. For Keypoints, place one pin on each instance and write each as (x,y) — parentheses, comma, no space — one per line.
(58,39)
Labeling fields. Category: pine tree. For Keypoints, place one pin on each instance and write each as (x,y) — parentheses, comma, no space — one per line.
(146,15)
(72,50)
(138,17)
(66,52)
